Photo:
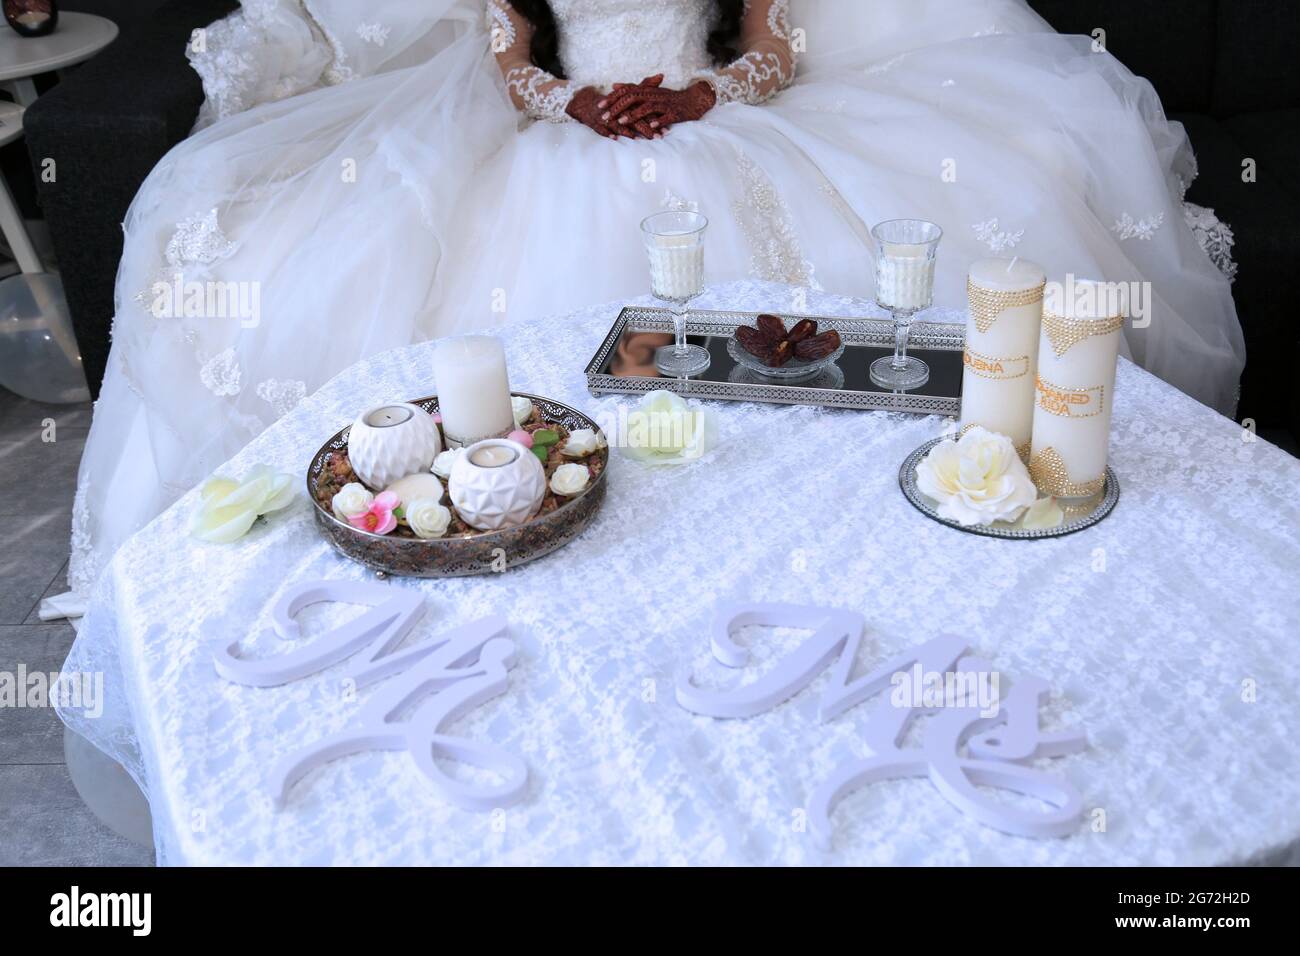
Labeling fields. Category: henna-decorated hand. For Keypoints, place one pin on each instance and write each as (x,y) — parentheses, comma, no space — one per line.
(583,108)
(656,107)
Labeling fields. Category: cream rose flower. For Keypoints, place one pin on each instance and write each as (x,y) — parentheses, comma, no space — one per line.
(443,463)
(427,518)
(977,479)
(228,508)
(352,499)
(582,442)
(568,480)
(665,429)
(522,408)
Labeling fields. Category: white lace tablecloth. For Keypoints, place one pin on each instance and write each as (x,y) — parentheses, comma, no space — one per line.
(1147,625)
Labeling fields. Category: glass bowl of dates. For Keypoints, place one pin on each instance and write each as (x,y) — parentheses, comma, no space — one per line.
(783,354)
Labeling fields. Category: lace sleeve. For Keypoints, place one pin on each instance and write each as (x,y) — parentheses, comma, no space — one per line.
(768,63)
(535,92)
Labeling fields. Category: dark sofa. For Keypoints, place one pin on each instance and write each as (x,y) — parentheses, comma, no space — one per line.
(1225,68)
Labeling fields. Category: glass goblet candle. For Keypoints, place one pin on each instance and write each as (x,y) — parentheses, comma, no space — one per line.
(674,243)
(905,253)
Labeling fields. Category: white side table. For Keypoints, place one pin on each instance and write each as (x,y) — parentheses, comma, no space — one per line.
(39,358)
(78,37)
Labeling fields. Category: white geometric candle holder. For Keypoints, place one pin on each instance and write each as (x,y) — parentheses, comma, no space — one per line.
(391,442)
(497,484)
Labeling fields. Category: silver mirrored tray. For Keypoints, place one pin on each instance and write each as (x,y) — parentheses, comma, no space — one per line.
(624,363)
(1078,515)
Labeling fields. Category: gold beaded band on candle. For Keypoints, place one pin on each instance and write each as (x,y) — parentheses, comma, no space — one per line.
(1050,476)
(1065,333)
(987,304)
(1062,401)
(998,369)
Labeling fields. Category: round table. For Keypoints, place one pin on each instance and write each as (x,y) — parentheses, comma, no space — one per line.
(1166,632)
(78,37)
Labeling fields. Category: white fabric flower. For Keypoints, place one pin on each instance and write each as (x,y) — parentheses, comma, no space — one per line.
(1043,513)
(443,463)
(665,429)
(522,408)
(228,508)
(568,480)
(977,479)
(352,499)
(427,518)
(582,442)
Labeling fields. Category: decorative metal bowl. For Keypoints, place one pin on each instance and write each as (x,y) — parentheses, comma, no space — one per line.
(464,554)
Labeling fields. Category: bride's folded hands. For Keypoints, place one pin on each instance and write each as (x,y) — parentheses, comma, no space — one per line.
(589,107)
(657,107)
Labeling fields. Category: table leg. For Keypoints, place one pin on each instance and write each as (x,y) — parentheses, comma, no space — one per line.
(23,89)
(15,233)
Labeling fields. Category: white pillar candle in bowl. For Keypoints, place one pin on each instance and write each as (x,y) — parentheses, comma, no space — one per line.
(473,389)
(392,441)
(496,484)
(1077,353)
(1001,356)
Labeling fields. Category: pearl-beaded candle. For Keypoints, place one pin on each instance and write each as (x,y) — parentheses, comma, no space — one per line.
(1001,355)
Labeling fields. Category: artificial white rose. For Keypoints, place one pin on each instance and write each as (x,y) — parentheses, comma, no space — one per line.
(228,508)
(977,479)
(352,499)
(427,518)
(665,429)
(582,442)
(568,480)
(1043,513)
(522,409)
(443,463)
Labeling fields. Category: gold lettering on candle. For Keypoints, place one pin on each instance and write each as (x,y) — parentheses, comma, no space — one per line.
(995,368)
(1070,402)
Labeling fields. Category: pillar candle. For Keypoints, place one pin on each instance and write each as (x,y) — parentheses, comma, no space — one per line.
(1006,312)
(473,389)
(1075,388)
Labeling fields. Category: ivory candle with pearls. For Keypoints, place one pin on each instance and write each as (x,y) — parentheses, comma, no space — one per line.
(1078,350)
(1001,355)
(473,389)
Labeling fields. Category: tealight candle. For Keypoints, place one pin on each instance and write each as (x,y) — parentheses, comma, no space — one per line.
(1077,353)
(473,389)
(493,456)
(392,441)
(1001,355)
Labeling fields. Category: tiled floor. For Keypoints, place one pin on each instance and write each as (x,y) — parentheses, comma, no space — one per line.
(42,819)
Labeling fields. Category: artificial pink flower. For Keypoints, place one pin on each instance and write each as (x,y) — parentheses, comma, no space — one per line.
(521,436)
(380,518)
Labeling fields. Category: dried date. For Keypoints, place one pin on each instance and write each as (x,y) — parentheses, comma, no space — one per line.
(755,342)
(819,346)
(803,329)
(772,328)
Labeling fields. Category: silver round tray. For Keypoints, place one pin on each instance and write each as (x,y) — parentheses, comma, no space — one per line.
(795,370)
(1078,516)
(464,554)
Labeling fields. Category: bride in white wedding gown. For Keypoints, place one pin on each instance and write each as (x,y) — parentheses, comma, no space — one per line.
(365,178)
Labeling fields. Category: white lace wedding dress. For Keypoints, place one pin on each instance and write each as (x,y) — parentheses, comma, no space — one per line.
(364,178)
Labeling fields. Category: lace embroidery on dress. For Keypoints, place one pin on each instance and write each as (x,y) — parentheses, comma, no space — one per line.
(767,67)
(776,253)
(83,569)
(997,239)
(375,33)
(198,240)
(540,95)
(221,374)
(283,395)
(1126,227)
(1214,235)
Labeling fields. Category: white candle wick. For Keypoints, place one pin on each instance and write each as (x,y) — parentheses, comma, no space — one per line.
(1013,263)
